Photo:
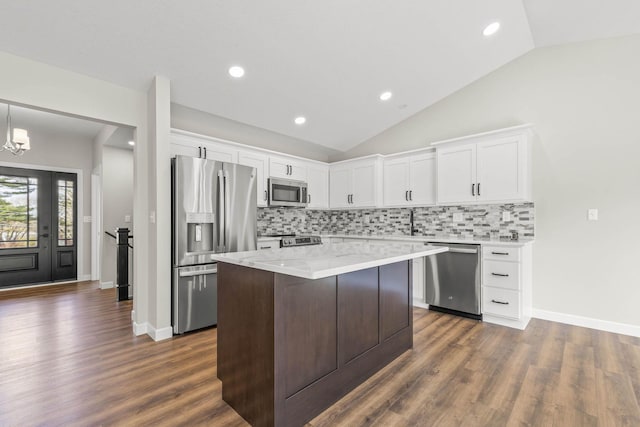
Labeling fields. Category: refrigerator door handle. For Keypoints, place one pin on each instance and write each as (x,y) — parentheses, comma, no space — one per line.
(227,213)
(221,207)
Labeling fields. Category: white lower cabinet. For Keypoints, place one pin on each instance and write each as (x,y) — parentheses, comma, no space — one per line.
(264,244)
(506,285)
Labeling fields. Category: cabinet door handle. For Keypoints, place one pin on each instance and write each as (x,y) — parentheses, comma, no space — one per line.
(500,302)
(473,189)
(411,195)
(478,189)
(200,152)
(499,253)
(406,195)
(266,195)
(352,199)
(308,198)
(265,247)
(499,274)
(205,152)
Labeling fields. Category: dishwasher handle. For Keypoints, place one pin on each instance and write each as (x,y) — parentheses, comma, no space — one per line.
(462,250)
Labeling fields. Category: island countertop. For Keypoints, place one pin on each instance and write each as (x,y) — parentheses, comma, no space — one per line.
(317,262)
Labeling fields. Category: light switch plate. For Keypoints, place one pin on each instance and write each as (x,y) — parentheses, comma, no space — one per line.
(152,217)
(87,219)
(458,217)
(592,214)
(127,218)
(506,216)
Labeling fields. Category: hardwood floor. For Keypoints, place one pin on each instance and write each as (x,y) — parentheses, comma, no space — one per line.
(68,357)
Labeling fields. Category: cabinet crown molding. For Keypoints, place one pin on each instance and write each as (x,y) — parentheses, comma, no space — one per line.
(519,129)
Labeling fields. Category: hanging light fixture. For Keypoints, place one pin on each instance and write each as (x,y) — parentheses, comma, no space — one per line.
(19,143)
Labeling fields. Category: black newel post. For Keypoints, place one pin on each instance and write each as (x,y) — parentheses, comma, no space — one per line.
(122,271)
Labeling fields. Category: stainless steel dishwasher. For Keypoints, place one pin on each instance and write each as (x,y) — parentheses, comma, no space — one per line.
(452,280)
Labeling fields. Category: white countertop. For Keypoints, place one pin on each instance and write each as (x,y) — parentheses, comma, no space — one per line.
(328,259)
(420,239)
(424,239)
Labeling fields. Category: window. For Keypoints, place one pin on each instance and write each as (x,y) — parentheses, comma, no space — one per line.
(18,212)
(66,219)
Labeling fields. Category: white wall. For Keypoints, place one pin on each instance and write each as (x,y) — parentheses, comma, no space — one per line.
(117,202)
(584,100)
(38,85)
(52,151)
(207,124)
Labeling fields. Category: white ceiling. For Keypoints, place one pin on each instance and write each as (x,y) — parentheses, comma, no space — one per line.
(39,123)
(327,60)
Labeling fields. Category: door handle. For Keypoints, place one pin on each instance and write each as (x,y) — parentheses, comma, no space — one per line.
(266,197)
(308,198)
(406,195)
(478,189)
(473,189)
(198,272)
(499,274)
(410,195)
(44,235)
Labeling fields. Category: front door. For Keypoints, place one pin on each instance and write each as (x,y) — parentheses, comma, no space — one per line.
(38,230)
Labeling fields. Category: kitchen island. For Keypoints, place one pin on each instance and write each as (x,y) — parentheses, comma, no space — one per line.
(298,328)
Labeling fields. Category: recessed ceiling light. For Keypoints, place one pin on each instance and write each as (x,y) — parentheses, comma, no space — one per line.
(131,143)
(385,96)
(236,71)
(491,29)
(300,120)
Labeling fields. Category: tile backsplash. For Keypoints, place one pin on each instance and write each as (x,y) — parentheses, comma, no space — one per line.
(478,221)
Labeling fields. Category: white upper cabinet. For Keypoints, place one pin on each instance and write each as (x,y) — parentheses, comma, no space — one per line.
(356,183)
(261,163)
(318,186)
(201,146)
(288,168)
(409,180)
(486,168)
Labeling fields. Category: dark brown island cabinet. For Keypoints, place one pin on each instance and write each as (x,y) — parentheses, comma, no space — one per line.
(289,347)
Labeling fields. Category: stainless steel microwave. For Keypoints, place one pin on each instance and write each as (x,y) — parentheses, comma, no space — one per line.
(287,192)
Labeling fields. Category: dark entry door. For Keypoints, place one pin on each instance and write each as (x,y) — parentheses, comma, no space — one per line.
(38,230)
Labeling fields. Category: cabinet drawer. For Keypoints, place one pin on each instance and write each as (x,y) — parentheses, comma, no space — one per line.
(270,244)
(501,274)
(501,253)
(501,302)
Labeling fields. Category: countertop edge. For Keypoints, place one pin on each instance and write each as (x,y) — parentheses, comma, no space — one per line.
(320,274)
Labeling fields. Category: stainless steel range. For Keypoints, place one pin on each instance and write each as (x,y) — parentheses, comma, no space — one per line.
(289,241)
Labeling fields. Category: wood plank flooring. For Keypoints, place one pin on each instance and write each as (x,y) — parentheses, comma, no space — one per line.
(68,358)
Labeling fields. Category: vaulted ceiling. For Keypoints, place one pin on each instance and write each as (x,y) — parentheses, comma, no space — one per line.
(325,60)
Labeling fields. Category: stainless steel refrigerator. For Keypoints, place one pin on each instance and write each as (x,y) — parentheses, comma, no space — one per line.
(213,211)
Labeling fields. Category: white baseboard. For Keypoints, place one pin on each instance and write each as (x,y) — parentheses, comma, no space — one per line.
(139,328)
(84,277)
(155,334)
(588,322)
(106,285)
(418,303)
(160,334)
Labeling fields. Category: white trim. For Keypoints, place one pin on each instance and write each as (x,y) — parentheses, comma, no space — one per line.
(80,249)
(588,322)
(84,278)
(96,226)
(106,285)
(517,128)
(418,303)
(139,328)
(159,334)
(40,285)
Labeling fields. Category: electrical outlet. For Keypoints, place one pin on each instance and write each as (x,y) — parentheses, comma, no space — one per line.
(127,218)
(592,214)
(152,217)
(506,216)
(458,217)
